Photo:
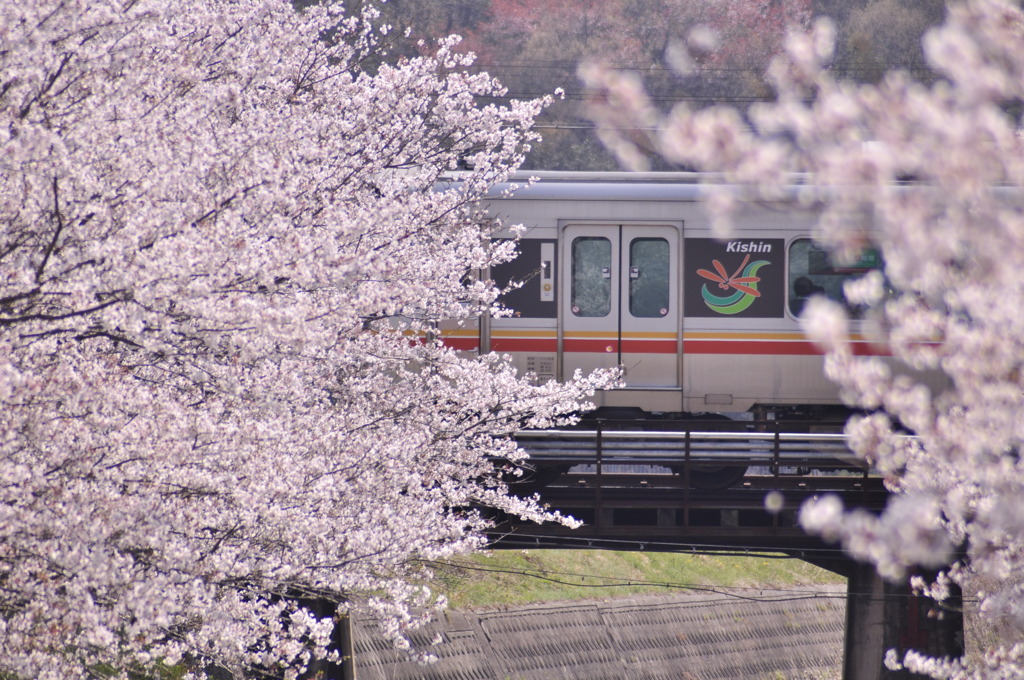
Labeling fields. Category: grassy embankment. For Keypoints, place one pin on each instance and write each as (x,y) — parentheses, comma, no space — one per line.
(517,577)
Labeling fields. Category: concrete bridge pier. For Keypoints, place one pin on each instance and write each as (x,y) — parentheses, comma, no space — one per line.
(881,616)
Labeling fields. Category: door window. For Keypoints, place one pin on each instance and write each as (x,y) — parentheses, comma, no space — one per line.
(591,286)
(648,277)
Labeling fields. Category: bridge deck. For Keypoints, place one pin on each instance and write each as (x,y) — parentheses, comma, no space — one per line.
(683,488)
(709,491)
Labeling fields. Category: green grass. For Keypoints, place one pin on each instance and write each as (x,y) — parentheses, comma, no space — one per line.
(516,577)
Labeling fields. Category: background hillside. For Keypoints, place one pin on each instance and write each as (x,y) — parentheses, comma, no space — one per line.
(696,51)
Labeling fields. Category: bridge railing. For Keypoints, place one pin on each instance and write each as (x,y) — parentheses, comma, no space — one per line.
(695,480)
(654,447)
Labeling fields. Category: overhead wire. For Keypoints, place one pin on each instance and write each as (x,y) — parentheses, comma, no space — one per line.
(690,548)
(534,69)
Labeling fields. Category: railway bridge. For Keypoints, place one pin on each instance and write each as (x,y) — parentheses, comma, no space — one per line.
(726,487)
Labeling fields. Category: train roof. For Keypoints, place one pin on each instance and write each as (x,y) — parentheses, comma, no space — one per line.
(558,185)
(609,186)
(621,176)
(562,185)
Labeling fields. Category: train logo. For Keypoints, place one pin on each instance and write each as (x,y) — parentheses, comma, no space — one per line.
(744,282)
(743,279)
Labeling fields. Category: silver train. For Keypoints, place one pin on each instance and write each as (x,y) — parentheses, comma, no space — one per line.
(623,269)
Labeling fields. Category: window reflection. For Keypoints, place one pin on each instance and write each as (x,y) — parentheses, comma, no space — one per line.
(812,272)
(591,285)
(648,277)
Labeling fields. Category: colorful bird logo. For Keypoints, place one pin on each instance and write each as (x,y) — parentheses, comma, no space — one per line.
(744,281)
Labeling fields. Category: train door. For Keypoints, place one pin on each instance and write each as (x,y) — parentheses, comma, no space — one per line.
(621,301)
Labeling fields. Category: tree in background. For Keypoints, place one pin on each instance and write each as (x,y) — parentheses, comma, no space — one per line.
(932,175)
(885,35)
(536,46)
(425,21)
(222,390)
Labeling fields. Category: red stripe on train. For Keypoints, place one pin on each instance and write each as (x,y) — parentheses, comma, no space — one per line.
(604,346)
(543,345)
(650,346)
(610,346)
(601,346)
(779,348)
(465,344)
(748,347)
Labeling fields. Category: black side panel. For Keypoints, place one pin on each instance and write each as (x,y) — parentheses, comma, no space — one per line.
(739,278)
(526,301)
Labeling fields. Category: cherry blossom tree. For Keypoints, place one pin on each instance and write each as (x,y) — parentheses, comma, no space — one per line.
(932,175)
(534,46)
(223,388)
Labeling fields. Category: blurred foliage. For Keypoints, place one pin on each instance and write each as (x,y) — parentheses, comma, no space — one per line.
(699,52)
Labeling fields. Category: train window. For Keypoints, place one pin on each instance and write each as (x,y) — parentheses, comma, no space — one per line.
(812,272)
(648,277)
(591,287)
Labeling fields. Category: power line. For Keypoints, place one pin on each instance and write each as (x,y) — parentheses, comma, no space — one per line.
(667,546)
(583,96)
(648,68)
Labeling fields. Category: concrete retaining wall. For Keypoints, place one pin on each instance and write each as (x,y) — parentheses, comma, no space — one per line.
(754,635)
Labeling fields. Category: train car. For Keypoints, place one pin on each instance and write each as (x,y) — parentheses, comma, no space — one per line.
(624,269)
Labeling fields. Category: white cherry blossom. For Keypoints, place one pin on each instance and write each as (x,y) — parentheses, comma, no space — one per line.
(222,383)
(933,176)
